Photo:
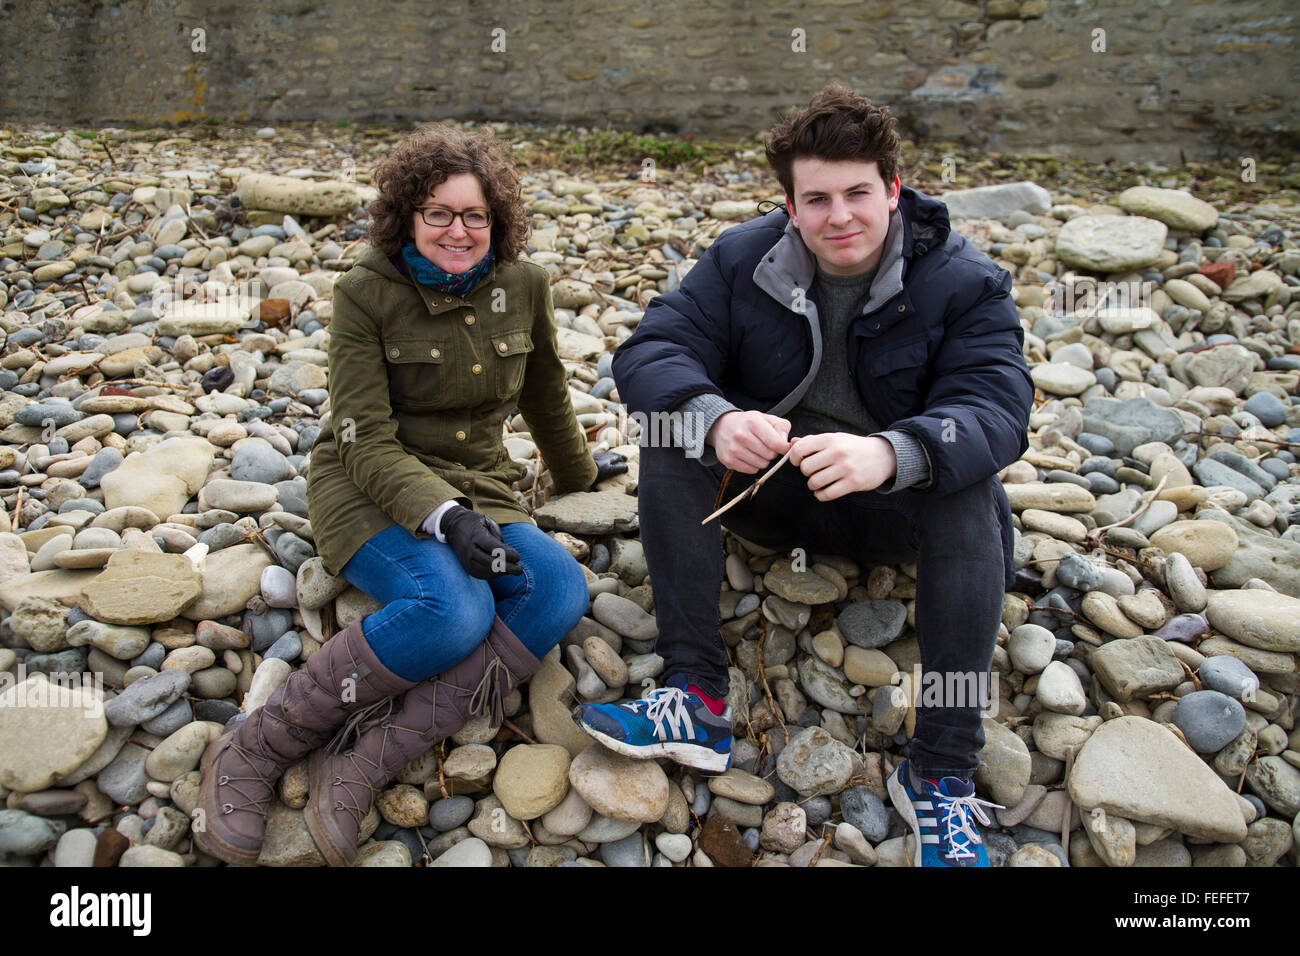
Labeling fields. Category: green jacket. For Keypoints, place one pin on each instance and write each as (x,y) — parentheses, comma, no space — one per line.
(420,384)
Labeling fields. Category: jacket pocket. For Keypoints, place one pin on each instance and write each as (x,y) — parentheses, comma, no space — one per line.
(510,350)
(899,375)
(416,372)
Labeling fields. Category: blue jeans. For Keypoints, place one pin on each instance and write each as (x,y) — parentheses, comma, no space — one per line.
(434,613)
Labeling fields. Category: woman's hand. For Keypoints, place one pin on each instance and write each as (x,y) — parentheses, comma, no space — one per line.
(608,464)
(478,544)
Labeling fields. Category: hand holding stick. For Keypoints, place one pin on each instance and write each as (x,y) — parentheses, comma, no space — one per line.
(752,489)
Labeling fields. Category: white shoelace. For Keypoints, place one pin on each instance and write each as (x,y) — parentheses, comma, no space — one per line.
(667,705)
(957,813)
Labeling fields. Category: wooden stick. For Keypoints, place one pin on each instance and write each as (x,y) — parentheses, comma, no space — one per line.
(510,725)
(751,490)
(1069,805)
(1096,533)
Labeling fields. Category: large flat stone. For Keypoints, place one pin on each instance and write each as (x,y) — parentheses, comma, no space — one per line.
(47,730)
(140,587)
(1257,618)
(1134,768)
(61,584)
(230,577)
(589,512)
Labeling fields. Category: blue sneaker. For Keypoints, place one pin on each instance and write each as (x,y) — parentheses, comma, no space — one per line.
(940,818)
(668,722)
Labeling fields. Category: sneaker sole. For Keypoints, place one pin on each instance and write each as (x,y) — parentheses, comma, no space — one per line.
(898,794)
(692,755)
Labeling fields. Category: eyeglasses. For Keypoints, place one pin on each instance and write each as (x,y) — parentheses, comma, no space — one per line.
(438,217)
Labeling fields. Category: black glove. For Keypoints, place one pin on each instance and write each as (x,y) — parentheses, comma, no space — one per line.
(608,464)
(478,544)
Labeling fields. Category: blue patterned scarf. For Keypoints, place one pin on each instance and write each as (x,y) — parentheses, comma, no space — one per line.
(426,273)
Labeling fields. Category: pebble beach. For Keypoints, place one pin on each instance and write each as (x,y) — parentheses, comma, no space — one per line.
(165,304)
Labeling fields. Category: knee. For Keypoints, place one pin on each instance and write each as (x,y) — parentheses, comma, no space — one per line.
(461,622)
(969,515)
(573,599)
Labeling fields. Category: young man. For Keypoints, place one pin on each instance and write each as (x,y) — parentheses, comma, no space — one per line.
(856,326)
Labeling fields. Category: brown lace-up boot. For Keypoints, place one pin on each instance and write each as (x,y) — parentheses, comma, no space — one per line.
(239,769)
(343,783)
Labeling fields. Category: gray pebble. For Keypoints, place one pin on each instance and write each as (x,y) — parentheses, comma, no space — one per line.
(170,720)
(287,647)
(266,628)
(1076,571)
(817,810)
(125,778)
(450,813)
(104,461)
(152,656)
(872,624)
(221,536)
(1267,407)
(1228,675)
(627,852)
(863,809)
(1209,720)
(293,551)
(146,698)
(25,834)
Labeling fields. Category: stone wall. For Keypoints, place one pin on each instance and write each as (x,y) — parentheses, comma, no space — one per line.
(1130,79)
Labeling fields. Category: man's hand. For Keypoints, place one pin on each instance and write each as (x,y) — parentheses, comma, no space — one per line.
(746,441)
(838,464)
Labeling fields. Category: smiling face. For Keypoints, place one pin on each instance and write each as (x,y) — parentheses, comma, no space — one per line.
(453,248)
(841,209)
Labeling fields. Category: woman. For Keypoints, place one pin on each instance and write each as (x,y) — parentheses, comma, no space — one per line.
(438,332)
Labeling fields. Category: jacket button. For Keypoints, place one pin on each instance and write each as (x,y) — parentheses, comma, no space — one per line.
(460,436)
(876,326)
(902,308)
(446,298)
(477,369)
(394,352)
(465,485)
(469,320)
(434,353)
(502,347)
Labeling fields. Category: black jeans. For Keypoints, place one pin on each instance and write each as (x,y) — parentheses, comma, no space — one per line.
(956,541)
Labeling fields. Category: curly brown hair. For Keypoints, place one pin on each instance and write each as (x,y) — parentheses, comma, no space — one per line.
(837,124)
(428,158)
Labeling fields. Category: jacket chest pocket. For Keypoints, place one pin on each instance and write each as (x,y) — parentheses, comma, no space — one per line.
(900,377)
(417,376)
(510,351)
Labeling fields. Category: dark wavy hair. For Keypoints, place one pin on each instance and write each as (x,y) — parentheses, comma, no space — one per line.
(837,124)
(427,159)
